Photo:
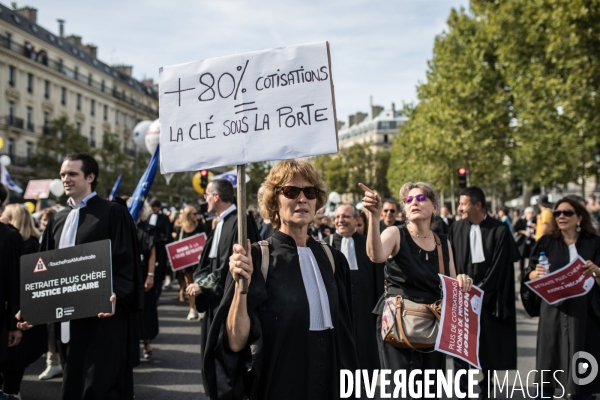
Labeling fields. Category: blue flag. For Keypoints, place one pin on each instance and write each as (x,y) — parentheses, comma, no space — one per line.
(7,181)
(115,189)
(143,187)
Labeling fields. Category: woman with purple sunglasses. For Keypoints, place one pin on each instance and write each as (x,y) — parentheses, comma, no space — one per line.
(411,265)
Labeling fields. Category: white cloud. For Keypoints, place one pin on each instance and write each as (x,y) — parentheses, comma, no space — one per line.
(379,48)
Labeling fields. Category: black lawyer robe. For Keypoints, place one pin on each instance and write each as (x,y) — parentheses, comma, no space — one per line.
(570,326)
(288,360)
(496,276)
(366,287)
(101,353)
(220,267)
(11,249)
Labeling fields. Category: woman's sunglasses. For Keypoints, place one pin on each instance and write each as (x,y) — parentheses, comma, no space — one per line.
(419,197)
(566,213)
(292,192)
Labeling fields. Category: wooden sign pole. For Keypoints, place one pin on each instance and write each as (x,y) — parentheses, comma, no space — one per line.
(242,220)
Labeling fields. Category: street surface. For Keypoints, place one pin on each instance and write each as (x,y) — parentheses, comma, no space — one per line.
(174,370)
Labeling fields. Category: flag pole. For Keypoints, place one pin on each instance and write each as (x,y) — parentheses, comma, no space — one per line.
(242,220)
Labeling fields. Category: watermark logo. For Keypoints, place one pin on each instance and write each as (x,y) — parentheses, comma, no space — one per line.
(582,364)
(59,312)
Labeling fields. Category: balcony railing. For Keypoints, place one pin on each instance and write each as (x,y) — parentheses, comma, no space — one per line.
(15,122)
(16,161)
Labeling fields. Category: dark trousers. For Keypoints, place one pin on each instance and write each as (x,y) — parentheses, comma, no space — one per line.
(10,380)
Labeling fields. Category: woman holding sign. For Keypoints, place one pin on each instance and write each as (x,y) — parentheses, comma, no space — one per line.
(572,325)
(190,226)
(411,267)
(296,317)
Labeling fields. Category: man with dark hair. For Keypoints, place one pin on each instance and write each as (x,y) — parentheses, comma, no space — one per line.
(485,250)
(218,249)
(98,352)
(389,212)
(367,284)
(163,229)
(11,249)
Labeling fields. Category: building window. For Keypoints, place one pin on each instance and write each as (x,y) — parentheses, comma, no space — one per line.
(60,65)
(102,86)
(90,79)
(126,121)
(78,127)
(105,112)
(63,96)
(30,119)
(117,117)
(11,110)
(46,89)
(46,128)
(92,107)
(30,83)
(76,73)
(29,150)
(12,76)
(8,40)
(11,147)
(92,137)
(78,102)
(385,138)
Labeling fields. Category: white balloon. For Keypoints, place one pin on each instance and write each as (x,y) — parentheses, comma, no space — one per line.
(56,187)
(139,133)
(152,136)
(334,197)
(5,160)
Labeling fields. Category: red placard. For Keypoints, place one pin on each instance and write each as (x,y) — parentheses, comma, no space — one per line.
(459,330)
(37,189)
(562,284)
(186,252)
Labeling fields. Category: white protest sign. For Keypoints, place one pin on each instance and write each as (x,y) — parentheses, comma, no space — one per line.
(260,106)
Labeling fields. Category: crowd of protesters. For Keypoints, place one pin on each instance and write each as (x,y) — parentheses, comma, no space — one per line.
(318,284)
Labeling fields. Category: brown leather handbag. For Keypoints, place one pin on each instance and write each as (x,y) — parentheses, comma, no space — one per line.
(409,325)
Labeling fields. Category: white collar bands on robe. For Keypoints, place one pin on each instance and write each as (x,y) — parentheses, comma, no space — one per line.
(476,241)
(69,232)
(318,300)
(67,239)
(214,249)
(349,251)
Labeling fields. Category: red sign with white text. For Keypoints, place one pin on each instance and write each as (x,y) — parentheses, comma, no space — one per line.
(186,252)
(37,189)
(562,284)
(459,330)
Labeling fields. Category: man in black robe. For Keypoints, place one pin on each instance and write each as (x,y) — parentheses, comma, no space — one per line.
(163,236)
(389,212)
(11,248)
(487,257)
(101,352)
(216,253)
(366,284)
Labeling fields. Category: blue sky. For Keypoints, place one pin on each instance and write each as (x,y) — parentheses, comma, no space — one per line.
(379,48)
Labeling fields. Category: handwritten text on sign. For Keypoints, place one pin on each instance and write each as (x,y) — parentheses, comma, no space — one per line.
(186,252)
(260,106)
(458,335)
(562,284)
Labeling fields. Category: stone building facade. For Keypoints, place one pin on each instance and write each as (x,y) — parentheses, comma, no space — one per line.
(44,76)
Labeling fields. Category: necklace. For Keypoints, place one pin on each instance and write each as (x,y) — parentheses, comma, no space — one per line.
(422,237)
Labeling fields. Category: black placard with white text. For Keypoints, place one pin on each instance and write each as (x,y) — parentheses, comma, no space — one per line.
(66,284)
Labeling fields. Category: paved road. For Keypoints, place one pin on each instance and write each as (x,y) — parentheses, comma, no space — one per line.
(172,373)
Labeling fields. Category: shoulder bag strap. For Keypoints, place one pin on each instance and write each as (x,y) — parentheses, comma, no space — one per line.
(264,265)
(328,252)
(438,243)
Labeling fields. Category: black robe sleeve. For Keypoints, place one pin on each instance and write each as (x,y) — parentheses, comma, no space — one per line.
(11,249)
(531,301)
(126,263)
